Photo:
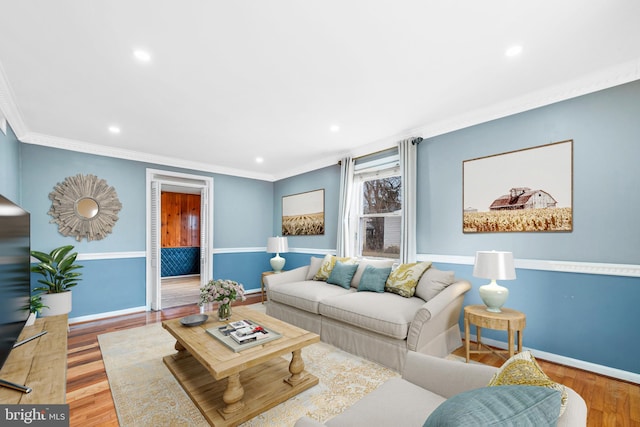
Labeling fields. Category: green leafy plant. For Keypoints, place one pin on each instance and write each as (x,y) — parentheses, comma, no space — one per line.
(57,268)
(35,304)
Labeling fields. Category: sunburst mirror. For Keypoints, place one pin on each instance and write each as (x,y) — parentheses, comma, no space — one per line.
(84,206)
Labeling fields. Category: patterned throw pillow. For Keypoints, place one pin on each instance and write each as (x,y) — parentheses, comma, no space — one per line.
(522,369)
(327,265)
(404,279)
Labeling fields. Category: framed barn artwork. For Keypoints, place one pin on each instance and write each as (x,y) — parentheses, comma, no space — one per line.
(303,214)
(526,190)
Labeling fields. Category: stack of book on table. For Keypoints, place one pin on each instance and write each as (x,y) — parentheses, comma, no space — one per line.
(243,334)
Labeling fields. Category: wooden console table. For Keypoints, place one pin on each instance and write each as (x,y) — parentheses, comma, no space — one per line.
(508,320)
(40,364)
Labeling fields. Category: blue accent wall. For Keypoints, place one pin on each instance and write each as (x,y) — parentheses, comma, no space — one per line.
(10,166)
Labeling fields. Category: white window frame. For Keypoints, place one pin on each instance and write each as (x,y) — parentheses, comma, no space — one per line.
(378,169)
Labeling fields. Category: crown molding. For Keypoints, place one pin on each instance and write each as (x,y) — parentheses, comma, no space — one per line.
(603,79)
(121,153)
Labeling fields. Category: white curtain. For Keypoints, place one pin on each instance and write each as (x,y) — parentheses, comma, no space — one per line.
(344,245)
(408,169)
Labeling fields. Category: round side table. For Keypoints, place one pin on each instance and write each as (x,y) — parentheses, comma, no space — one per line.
(508,320)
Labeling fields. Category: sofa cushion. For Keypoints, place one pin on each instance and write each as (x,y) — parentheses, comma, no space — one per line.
(364,262)
(305,295)
(373,279)
(404,279)
(522,369)
(327,265)
(387,314)
(503,406)
(432,282)
(314,266)
(397,402)
(342,274)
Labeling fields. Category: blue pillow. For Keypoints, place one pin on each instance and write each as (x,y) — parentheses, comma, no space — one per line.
(342,274)
(508,405)
(373,279)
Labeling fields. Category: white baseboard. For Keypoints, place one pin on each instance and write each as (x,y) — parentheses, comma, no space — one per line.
(100,316)
(568,361)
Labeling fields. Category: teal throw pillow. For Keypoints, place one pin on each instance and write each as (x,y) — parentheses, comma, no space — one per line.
(373,279)
(342,274)
(509,405)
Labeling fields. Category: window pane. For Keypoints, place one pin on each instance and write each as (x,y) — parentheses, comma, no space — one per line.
(380,236)
(381,195)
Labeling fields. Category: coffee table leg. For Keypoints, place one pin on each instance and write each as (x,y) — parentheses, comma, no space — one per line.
(181,351)
(233,395)
(296,367)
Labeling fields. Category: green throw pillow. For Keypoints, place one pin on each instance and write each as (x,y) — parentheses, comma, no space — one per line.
(373,279)
(404,279)
(510,405)
(341,274)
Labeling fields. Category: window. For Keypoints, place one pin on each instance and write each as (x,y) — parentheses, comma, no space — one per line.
(378,208)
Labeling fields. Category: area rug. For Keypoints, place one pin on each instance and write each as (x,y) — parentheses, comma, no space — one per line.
(145,392)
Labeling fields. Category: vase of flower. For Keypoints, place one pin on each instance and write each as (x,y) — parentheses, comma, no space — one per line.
(224,312)
(223,291)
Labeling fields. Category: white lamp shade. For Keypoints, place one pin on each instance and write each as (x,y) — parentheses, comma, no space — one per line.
(494,265)
(277,245)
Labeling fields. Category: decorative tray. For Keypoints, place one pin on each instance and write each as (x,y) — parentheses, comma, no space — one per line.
(194,320)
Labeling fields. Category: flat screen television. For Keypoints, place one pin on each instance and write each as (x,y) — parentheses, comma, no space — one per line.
(15,275)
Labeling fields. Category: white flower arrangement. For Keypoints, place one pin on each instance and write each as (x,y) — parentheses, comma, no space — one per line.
(224,291)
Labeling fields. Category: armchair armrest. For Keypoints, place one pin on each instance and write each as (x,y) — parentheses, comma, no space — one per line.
(445,377)
(295,275)
(436,317)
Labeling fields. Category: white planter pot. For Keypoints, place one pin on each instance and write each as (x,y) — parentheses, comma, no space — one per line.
(59,303)
(31,319)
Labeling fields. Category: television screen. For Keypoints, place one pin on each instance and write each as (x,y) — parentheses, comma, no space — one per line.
(15,274)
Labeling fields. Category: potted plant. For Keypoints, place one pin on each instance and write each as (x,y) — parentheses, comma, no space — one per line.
(35,308)
(224,291)
(59,272)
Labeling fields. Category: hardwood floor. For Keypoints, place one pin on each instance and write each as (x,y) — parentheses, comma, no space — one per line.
(611,402)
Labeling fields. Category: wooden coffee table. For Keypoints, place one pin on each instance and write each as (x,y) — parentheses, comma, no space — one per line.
(230,388)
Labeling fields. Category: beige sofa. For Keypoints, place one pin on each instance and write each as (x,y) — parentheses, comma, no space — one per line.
(426,383)
(380,327)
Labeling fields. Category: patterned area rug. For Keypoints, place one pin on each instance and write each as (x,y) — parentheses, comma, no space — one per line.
(145,392)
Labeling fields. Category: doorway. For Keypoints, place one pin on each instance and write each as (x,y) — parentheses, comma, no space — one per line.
(179,245)
(175,182)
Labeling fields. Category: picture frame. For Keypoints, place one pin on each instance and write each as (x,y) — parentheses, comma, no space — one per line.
(527,190)
(303,214)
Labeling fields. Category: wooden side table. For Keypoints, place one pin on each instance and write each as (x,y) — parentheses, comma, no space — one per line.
(264,274)
(508,320)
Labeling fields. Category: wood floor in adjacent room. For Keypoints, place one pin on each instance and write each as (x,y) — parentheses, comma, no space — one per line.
(610,402)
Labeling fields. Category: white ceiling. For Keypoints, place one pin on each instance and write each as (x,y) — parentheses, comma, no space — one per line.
(230,81)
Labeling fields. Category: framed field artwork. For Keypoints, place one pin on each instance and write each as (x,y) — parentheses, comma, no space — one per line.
(520,191)
(303,214)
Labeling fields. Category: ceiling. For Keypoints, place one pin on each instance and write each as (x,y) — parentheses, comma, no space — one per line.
(230,81)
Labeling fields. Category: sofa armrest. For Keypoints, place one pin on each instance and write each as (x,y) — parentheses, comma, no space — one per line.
(296,275)
(436,316)
(445,377)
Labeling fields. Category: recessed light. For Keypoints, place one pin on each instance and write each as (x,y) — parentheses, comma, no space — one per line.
(259,160)
(142,55)
(513,50)
(334,128)
(114,129)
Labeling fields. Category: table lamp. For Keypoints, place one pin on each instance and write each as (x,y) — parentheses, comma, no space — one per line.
(494,265)
(277,245)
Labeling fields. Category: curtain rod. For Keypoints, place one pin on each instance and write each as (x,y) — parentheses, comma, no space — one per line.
(414,141)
